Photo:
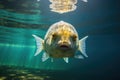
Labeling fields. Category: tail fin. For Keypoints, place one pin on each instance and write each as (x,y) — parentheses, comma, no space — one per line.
(82,46)
(39,43)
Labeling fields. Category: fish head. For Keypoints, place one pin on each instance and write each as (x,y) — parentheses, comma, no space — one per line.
(61,40)
(64,39)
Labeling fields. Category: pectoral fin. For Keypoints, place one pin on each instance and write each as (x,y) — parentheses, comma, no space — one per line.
(39,43)
(82,46)
(66,59)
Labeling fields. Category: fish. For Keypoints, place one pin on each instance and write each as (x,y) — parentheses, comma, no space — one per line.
(61,41)
(63,6)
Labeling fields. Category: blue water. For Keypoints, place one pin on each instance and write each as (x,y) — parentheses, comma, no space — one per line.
(98,19)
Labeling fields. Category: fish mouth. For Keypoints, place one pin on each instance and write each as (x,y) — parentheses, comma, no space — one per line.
(64,47)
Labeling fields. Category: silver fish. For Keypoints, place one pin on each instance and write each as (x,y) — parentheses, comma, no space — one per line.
(61,41)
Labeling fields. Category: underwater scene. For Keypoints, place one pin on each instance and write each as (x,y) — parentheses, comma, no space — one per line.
(22,20)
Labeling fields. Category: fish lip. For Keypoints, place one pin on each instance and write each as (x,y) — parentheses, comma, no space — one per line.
(64,47)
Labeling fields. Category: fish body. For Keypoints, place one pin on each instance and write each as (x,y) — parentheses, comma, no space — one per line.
(61,41)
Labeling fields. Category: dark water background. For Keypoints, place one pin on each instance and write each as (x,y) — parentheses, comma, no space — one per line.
(99,19)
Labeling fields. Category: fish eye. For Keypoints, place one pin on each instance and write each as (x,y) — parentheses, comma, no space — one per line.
(54,36)
(74,37)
